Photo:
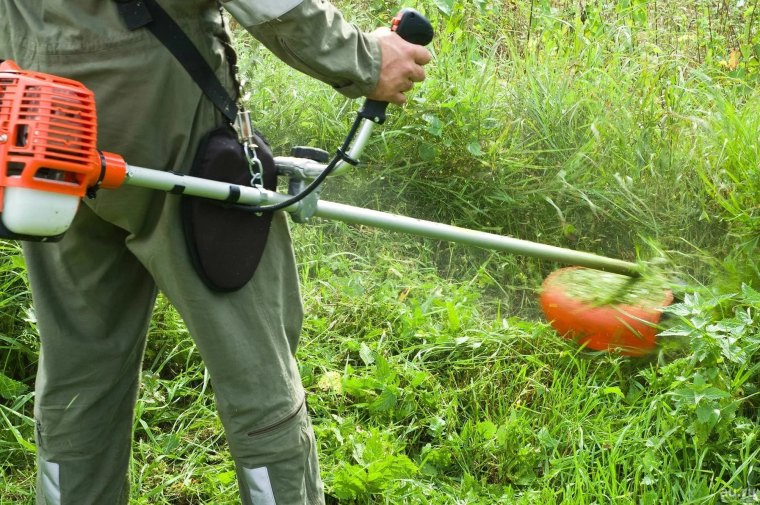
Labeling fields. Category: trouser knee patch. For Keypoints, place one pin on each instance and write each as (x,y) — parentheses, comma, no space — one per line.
(281,466)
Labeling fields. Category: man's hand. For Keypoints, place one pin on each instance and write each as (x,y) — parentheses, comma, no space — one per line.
(400,67)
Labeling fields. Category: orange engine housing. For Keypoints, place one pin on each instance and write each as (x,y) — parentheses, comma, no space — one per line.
(48,138)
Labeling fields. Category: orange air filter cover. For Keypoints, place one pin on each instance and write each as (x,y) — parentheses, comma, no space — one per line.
(48,153)
(48,133)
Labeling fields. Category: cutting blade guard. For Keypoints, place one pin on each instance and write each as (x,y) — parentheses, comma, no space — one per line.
(48,153)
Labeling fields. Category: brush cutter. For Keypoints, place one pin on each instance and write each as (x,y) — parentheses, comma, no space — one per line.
(49,161)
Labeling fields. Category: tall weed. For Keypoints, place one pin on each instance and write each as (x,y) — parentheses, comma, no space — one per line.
(730,170)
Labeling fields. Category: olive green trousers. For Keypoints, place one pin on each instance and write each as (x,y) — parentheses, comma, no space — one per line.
(93,295)
(94,292)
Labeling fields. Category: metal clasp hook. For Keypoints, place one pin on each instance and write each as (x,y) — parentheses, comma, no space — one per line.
(245,134)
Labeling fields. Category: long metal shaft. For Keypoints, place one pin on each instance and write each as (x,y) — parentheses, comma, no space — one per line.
(491,241)
(167,181)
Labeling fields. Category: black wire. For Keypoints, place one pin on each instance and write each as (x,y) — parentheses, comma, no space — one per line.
(340,155)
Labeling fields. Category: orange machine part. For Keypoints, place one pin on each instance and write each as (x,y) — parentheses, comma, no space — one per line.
(48,135)
(627,329)
(114,171)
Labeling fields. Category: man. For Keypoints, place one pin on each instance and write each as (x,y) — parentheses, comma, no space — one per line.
(94,290)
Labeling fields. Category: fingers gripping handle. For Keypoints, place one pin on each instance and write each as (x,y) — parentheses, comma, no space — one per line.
(413,27)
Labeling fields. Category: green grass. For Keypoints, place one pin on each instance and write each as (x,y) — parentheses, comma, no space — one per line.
(468,402)
(624,130)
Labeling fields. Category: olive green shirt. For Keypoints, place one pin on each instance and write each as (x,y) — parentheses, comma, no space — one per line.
(310,35)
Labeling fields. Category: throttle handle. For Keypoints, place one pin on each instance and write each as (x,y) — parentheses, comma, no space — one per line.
(413,27)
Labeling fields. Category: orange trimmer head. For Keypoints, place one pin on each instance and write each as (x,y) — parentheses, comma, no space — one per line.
(604,311)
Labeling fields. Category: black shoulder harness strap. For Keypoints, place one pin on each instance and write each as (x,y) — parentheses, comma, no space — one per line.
(149,14)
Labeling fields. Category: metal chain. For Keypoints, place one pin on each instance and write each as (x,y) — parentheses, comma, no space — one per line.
(254,164)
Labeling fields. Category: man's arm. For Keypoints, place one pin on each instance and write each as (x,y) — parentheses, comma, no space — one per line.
(313,37)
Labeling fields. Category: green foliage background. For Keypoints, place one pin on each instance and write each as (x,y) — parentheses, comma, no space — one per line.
(625,128)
